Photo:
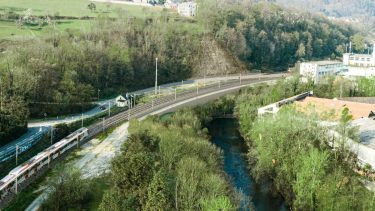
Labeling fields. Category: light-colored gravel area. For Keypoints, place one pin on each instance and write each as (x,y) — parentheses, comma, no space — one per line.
(97,155)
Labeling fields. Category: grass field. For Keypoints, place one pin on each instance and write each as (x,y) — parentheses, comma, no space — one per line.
(67,8)
(10,28)
(72,8)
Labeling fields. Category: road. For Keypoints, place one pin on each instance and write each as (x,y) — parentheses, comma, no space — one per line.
(38,128)
(96,156)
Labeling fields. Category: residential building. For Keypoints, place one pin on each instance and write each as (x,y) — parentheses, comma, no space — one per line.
(316,70)
(188,9)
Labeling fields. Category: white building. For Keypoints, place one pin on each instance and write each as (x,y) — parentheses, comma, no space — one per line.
(188,9)
(360,64)
(316,70)
(121,101)
(359,60)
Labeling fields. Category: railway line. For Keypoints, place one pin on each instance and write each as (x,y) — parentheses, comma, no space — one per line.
(137,111)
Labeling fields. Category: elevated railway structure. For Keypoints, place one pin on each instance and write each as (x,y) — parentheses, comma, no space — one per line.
(26,173)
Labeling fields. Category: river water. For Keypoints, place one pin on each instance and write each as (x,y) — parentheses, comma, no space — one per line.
(224,133)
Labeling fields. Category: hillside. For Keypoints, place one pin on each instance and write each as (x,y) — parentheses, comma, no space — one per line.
(357,11)
(266,36)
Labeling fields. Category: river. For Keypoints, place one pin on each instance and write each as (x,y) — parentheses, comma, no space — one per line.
(224,133)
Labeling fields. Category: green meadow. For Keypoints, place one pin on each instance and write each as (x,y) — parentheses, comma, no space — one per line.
(73,14)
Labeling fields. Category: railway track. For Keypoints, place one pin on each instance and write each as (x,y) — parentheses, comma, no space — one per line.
(145,109)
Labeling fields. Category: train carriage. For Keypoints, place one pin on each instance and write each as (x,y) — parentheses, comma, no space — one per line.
(23,172)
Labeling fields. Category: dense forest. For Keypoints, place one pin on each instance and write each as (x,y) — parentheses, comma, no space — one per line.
(64,73)
(269,37)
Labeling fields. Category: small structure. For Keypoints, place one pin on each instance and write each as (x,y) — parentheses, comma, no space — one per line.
(121,101)
(319,69)
(275,107)
(169,4)
(188,9)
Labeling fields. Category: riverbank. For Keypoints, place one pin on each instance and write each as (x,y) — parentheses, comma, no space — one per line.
(224,134)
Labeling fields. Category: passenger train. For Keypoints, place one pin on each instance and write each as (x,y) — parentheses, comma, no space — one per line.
(18,176)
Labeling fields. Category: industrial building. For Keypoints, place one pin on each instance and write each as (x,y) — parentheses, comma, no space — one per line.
(316,70)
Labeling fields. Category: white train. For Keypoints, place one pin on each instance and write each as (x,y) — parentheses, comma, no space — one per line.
(11,183)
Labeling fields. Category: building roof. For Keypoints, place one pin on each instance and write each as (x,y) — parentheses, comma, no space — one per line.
(322,105)
(366,131)
(325,62)
(360,55)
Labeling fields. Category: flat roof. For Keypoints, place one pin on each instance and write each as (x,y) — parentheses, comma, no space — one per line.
(325,62)
(361,55)
(322,105)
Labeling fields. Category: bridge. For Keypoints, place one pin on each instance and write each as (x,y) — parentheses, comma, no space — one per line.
(38,129)
(200,94)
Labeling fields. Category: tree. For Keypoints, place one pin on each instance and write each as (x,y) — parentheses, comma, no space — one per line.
(301,51)
(91,6)
(358,43)
(309,178)
(69,190)
(160,192)
(218,203)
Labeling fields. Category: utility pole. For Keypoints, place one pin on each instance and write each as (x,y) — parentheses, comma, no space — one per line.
(129,113)
(17,154)
(109,108)
(82,120)
(1,97)
(98,93)
(51,135)
(341,89)
(103,124)
(156,77)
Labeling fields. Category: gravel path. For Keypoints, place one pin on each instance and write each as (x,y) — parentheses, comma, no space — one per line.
(98,154)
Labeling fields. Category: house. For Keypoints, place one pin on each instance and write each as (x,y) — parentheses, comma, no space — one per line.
(121,101)
(316,70)
(188,9)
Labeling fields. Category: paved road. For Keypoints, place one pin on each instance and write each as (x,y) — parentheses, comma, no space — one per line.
(34,126)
